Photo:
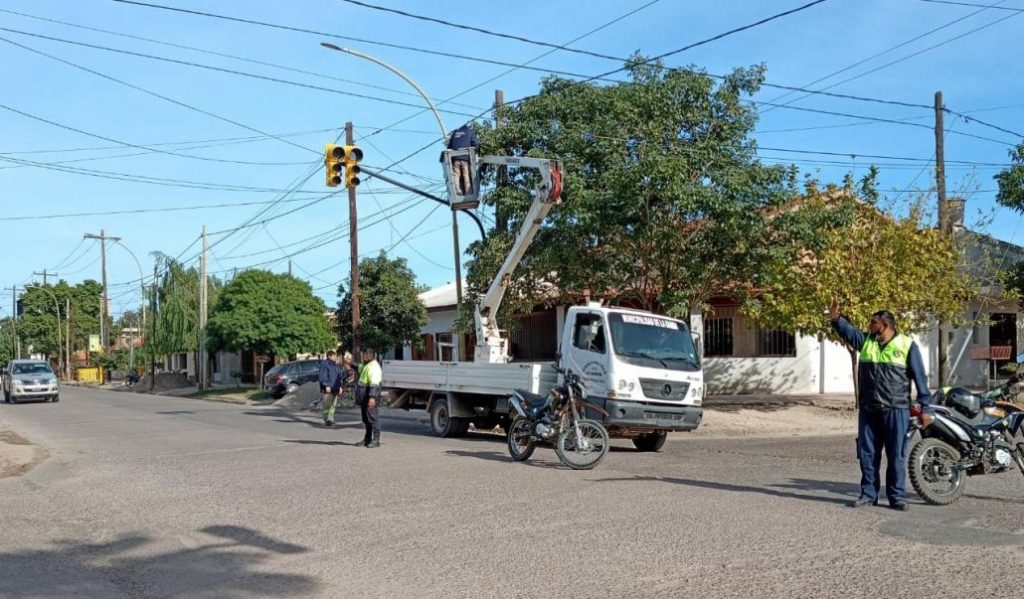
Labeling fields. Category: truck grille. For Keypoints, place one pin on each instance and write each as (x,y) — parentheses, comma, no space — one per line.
(664,390)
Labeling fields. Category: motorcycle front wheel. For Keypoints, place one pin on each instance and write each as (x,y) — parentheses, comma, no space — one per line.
(934,473)
(520,439)
(588,451)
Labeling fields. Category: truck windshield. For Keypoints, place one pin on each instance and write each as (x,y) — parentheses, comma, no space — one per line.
(652,341)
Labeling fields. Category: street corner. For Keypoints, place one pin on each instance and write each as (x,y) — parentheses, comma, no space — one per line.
(18,455)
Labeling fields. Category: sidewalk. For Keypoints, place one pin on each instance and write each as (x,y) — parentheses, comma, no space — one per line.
(832,401)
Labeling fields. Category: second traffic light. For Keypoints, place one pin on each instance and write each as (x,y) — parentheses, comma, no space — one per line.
(333,156)
(352,157)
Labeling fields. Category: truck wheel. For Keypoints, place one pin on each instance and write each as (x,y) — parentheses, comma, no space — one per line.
(651,441)
(7,397)
(443,424)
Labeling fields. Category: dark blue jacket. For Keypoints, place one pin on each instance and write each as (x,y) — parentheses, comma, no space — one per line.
(463,138)
(915,365)
(330,374)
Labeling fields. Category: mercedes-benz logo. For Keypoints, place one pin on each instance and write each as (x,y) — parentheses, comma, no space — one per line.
(666,390)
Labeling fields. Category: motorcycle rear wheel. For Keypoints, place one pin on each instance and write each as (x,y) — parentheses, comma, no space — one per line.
(595,441)
(934,474)
(520,439)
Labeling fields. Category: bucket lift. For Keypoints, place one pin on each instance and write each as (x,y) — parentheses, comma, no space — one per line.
(491,346)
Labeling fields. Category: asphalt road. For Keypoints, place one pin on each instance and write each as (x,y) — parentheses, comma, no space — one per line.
(160,497)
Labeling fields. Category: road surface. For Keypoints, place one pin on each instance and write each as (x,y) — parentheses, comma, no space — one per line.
(144,496)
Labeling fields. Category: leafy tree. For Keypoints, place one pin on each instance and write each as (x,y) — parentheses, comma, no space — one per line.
(6,342)
(38,326)
(877,262)
(176,320)
(390,309)
(269,314)
(664,198)
(1011,181)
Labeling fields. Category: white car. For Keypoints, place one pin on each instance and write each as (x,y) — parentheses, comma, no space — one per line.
(26,380)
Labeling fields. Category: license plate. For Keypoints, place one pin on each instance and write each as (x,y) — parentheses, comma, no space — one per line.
(663,416)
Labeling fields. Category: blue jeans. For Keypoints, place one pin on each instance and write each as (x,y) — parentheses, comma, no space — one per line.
(878,429)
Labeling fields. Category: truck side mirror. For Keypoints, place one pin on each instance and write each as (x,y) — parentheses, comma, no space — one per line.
(697,343)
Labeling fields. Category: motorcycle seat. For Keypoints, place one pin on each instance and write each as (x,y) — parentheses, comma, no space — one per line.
(534,400)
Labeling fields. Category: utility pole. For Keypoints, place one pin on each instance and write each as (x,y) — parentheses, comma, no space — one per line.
(354,251)
(500,218)
(203,298)
(45,275)
(14,323)
(944,228)
(103,238)
(152,337)
(67,340)
(289,267)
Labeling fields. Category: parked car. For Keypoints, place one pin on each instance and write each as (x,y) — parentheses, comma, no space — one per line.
(288,377)
(30,379)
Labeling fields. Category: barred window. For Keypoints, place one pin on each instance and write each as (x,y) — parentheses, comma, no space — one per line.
(719,337)
(775,343)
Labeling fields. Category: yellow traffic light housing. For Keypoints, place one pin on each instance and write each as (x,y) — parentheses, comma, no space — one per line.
(352,157)
(333,159)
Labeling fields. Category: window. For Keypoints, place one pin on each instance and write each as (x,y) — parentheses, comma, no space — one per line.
(588,333)
(775,343)
(182,361)
(445,347)
(719,337)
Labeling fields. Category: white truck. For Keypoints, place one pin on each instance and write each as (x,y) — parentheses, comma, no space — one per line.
(643,369)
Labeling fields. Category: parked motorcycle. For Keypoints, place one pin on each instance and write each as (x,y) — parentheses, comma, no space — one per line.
(963,435)
(580,443)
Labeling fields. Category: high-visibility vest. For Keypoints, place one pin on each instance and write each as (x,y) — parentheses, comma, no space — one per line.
(883,378)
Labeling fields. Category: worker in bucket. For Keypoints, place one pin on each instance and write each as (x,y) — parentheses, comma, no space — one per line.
(463,138)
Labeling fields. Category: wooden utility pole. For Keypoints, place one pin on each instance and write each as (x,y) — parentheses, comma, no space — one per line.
(152,334)
(103,238)
(203,300)
(944,225)
(45,275)
(14,322)
(354,250)
(500,215)
(67,340)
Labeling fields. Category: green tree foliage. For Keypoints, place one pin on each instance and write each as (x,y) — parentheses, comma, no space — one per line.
(269,314)
(877,262)
(664,197)
(37,328)
(1011,181)
(176,319)
(390,309)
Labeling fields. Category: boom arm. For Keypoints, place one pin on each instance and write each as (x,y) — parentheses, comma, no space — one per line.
(490,347)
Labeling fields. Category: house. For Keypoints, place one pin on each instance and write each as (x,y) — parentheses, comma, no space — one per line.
(741,357)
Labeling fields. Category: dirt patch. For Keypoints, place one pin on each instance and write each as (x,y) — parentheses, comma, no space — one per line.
(17,454)
(791,421)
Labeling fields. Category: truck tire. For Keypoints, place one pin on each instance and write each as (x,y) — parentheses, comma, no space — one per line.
(443,424)
(650,441)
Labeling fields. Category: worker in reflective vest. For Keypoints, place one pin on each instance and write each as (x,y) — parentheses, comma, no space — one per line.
(889,361)
(368,395)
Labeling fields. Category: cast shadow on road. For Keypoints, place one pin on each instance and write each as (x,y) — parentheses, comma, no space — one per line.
(175,412)
(848,490)
(290,417)
(312,442)
(227,565)
(494,456)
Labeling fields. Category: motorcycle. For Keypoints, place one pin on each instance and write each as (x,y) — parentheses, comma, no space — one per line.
(963,435)
(580,443)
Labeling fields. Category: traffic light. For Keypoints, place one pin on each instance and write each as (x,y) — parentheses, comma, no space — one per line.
(333,156)
(352,157)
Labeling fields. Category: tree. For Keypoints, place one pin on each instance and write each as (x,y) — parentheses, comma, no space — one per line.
(176,318)
(38,326)
(270,314)
(1011,181)
(877,262)
(390,309)
(664,198)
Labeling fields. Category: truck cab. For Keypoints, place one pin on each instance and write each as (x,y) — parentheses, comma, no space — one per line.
(643,369)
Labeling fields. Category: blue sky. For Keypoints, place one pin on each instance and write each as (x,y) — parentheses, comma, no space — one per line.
(978,74)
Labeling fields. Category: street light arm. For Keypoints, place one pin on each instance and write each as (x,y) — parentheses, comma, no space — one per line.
(406,78)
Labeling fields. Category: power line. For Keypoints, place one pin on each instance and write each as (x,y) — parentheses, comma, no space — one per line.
(148,92)
(872,57)
(208,67)
(224,55)
(974,5)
